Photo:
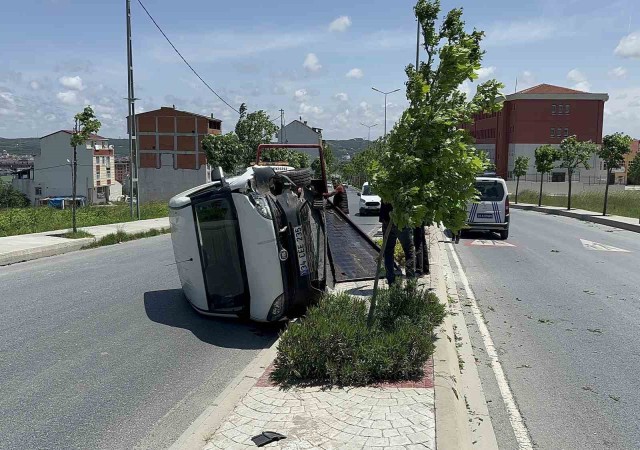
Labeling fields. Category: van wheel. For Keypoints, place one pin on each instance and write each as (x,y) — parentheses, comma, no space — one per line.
(362,213)
(504,234)
(301,178)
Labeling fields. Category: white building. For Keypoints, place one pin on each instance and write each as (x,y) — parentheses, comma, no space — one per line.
(51,173)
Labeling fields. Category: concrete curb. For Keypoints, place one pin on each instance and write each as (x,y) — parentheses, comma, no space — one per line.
(195,437)
(452,421)
(43,252)
(593,217)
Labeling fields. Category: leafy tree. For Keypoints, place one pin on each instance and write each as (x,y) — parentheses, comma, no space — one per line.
(86,125)
(12,198)
(428,171)
(223,150)
(253,129)
(546,156)
(329,162)
(572,155)
(294,158)
(614,147)
(634,170)
(519,169)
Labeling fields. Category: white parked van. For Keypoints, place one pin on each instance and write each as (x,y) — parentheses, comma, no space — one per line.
(369,201)
(491,211)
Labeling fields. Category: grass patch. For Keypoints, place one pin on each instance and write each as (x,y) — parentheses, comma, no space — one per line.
(122,236)
(14,221)
(80,234)
(626,203)
(332,345)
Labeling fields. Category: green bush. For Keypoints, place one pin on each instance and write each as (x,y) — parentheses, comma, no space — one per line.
(12,198)
(332,345)
(398,252)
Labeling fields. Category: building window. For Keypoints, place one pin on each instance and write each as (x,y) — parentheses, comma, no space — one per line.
(553,132)
(553,109)
(108,161)
(38,191)
(97,160)
(559,109)
(566,109)
(566,132)
(97,172)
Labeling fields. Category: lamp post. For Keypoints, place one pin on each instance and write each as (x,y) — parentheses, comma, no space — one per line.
(385,106)
(369,127)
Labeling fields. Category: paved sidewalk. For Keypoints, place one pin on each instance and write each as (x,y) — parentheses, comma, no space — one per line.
(625,223)
(25,247)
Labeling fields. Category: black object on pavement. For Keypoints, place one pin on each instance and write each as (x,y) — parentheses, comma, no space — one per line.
(267,437)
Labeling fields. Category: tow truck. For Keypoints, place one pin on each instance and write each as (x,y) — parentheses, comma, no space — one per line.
(265,244)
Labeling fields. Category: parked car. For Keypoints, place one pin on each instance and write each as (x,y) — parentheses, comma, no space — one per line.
(369,201)
(491,211)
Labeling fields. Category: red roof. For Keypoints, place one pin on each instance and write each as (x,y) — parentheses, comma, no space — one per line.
(549,89)
(94,137)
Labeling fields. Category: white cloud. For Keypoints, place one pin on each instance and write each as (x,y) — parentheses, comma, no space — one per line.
(618,72)
(622,112)
(50,117)
(300,95)
(485,72)
(355,73)
(312,63)
(580,80)
(7,98)
(343,97)
(465,88)
(68,97)
(521,32)
(309,109)
(74,83)
(629,46)
(34,85)
(340,24)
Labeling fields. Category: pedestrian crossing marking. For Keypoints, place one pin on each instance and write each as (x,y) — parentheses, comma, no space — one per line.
(590,245)
(490,243)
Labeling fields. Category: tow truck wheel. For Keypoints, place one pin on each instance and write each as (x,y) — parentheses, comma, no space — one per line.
(300,178)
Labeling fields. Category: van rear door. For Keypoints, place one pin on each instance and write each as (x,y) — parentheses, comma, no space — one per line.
(490,208)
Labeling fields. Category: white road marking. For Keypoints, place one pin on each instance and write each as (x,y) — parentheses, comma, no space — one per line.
(491,243)
(590,245)
(517,423)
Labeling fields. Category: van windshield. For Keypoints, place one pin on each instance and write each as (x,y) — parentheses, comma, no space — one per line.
(368,190)
(490,191)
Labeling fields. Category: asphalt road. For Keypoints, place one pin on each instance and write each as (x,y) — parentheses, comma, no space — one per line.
(99,349)
(566,322)
(368,223)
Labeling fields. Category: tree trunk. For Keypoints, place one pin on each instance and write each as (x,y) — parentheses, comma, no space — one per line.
(606,193)
(517,184)
(570,173)
(74,176)
(372,306)
(540,195)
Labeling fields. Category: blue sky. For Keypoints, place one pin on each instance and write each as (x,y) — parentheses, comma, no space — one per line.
(317,60)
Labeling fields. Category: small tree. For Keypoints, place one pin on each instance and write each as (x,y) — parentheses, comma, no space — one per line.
(614,147)
(223,150)
(428,171)
(546,156)
(86,125)
(253,129)
(12,198)
(633,175)
(572,155)
(519,169)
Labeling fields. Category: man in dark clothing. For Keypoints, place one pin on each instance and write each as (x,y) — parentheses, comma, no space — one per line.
(406,240)
(340,201)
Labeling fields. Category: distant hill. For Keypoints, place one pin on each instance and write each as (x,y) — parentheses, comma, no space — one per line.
(30,146)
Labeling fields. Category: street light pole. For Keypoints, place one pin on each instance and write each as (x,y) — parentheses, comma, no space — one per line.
(369,127)
(385,106)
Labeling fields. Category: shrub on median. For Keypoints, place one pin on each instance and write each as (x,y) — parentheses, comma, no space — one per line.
(333,346)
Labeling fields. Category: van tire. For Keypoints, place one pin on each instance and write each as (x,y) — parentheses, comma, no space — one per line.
(504,234)
(301,178)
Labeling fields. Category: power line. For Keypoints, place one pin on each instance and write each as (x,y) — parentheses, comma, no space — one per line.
(183,59)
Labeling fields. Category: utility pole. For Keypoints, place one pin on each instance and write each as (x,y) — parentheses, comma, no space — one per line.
(369,127)
(74,175)
(131,100)
(385,106)
(282,126)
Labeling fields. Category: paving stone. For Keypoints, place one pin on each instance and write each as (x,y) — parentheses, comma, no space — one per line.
(392,432)
(399,440)
(377,442)
(419,438)
(382,424)
(371,432)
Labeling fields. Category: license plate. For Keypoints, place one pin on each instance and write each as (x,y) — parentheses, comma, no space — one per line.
(485,216)
(300,249)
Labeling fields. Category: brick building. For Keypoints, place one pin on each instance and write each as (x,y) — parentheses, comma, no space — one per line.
(543,114)
(171,155)
(122,168)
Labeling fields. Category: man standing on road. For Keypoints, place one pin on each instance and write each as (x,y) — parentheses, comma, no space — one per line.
(406,240)
(340,201)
